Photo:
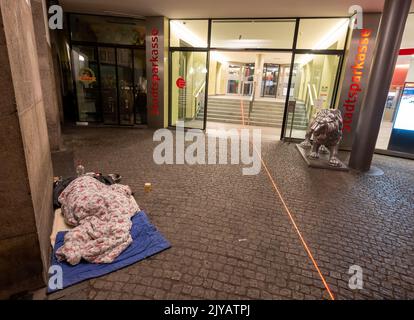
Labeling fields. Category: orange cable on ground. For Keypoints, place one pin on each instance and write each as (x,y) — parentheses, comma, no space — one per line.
(310,255)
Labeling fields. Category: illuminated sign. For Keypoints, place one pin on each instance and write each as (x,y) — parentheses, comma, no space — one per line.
(180,83)
(355,86)
(87,76)
(356,73)
(155,78)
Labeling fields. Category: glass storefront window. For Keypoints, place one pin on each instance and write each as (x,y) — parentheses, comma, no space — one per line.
(397,126)
(108,30)
(276,34)
(109,92)
(140,87)
(188,88)
(322,34)
(313,86)
(125,86)
(109,69)
(85,71)
(189,33)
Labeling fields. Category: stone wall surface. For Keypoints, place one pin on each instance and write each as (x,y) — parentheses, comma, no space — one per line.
(26,167)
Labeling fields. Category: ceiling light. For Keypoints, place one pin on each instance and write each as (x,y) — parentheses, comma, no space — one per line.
(402,66)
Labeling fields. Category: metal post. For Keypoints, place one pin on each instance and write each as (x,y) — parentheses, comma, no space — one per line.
(389,38)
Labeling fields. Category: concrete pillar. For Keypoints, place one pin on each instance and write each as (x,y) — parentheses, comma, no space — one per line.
(389,37)
(258,68)
(26,213)
(47,72)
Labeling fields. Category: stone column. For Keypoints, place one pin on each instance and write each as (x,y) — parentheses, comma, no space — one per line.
(26,212)
(258,68)
(46,68)
(389,37)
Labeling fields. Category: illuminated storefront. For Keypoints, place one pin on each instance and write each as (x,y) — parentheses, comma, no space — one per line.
(283,71)
(274,62)
(397,128)
(108,69)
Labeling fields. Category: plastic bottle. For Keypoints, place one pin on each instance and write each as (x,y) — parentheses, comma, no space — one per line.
(80,169)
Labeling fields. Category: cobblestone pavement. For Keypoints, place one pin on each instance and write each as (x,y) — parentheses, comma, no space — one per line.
(232,239)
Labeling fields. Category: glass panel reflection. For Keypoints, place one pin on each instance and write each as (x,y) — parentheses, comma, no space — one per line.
(85,69)
(108,85)
(188,88)
(312,89)
(140,102)
(126,86)
(102,29)
(322,34)
(188,33)
(252,34)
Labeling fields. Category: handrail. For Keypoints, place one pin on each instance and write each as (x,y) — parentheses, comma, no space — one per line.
(196,105)
(310,94)
(312,102)
(252,100)
(314,90)
(199,91)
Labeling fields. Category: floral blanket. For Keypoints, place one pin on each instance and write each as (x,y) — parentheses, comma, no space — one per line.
(101,216)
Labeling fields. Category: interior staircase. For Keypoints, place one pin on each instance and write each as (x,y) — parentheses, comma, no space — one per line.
(265,113)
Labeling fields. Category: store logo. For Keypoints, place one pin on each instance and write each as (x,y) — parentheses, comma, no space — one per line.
(87,76)
(56,20)
(203,148)
(357,73)
(155,78)
(180,83)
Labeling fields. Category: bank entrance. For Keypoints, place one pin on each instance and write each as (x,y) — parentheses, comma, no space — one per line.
(269,73)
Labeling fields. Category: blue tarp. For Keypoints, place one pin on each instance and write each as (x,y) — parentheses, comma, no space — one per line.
(147,241)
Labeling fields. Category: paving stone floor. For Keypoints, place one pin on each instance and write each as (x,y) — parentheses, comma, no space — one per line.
(231,237)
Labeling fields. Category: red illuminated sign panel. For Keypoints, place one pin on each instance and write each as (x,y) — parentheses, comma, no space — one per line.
(155,78)
(357,73)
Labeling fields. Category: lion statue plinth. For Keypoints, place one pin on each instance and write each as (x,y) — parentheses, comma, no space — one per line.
(326,129)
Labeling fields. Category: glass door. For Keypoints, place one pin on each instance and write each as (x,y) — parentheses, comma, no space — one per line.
(312,89)
(248,79)
(188,88)
(270,79)
(109,92)
(125,86)
(85,68)
(140,82)
(234,77)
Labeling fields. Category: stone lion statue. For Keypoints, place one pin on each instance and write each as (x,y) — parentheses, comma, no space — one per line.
(326,129)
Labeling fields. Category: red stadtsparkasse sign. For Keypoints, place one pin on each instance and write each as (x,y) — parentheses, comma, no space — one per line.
(180,83)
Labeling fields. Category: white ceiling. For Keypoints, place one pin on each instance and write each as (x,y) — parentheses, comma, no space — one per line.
(222,8)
